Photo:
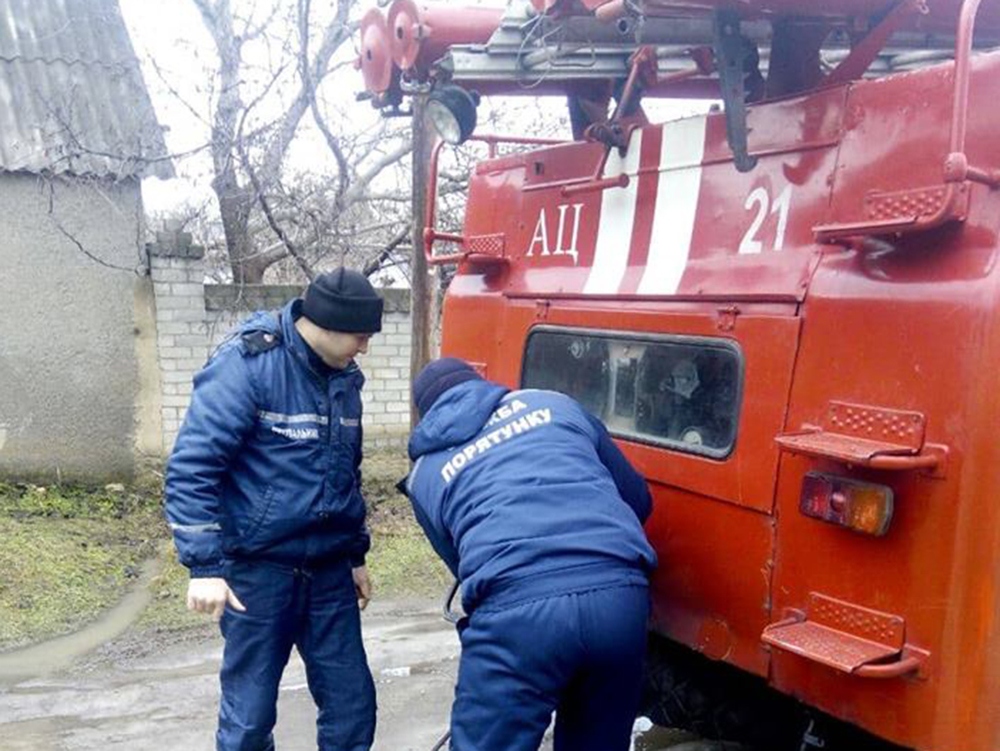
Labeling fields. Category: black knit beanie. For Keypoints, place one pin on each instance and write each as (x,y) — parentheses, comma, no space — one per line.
(343,300)
(437,377)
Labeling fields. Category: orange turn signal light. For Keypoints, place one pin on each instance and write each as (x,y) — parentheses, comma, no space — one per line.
(862,506)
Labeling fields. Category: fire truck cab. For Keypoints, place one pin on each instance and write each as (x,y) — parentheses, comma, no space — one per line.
(789,318)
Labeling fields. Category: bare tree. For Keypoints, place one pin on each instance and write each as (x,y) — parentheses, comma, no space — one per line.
(269,214)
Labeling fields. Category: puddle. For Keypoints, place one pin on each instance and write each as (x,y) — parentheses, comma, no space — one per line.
(426,667)
(39,659)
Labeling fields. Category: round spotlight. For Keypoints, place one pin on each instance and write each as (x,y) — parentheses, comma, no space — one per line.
(451,110)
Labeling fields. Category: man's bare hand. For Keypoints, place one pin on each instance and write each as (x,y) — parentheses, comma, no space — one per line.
(210,596)
(362,585)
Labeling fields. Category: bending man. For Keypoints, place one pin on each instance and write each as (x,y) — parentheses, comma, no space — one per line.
(536,511)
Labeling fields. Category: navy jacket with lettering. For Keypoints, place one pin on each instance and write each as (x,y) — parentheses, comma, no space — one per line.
(524,494)
(266,464)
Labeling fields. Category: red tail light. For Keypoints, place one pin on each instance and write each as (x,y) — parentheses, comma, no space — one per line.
(862,506)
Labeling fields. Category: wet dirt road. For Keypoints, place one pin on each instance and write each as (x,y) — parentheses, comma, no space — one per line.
(134,695)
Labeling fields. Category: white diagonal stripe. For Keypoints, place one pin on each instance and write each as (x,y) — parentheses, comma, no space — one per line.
(676,206)
(614,235)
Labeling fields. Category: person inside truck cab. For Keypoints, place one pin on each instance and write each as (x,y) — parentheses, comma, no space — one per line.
(535,510)
(684,398)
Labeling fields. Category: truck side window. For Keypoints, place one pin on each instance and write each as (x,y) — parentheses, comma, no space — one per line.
(678,392)
(573,364)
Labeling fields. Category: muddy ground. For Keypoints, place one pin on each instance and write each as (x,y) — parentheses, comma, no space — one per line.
(141,677)
(148,692)
(158,690)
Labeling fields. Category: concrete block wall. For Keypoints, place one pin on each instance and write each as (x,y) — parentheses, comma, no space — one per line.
(177,270)
(227,305)
(386,396)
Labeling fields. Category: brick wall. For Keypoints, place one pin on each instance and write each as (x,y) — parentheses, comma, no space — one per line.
(387,371)
(192,318)
(177,270)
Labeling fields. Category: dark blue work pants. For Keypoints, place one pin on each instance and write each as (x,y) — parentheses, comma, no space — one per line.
(317,611)
(578,654)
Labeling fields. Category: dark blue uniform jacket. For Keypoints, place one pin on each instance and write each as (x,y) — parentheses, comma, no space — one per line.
(524,494)
(266,464)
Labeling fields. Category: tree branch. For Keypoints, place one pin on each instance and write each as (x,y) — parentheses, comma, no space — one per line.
(309,87)
(336,32)
(385,161)
(266,207)
(251,33)
(376,263)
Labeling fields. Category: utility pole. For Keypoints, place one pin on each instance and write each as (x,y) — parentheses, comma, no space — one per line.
(420,292)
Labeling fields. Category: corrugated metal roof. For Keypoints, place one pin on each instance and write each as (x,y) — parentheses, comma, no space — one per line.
(72,98)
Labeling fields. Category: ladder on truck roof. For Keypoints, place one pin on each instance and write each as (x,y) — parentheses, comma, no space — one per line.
(628,49)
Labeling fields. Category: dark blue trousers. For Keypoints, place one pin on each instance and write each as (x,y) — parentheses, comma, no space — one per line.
(579,655)
(317,612)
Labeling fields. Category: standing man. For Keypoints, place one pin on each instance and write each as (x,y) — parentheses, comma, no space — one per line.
(263,494)
(539,515)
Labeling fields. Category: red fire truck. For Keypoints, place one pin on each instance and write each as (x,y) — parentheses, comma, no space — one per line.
(787,311)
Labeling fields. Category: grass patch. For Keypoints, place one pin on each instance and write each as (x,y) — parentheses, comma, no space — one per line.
(401,561)
(25,501)
(68,554)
